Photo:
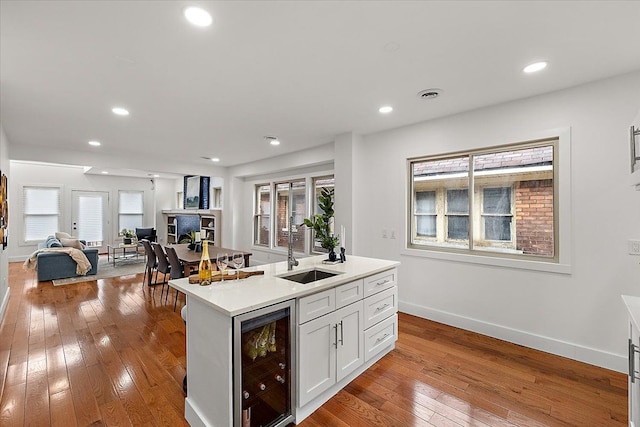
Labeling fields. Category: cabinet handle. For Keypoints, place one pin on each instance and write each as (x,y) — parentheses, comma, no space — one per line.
(336,330)
(382,338)
(341,334)
(633,349)
(382,307)
(634,156)
(383,282)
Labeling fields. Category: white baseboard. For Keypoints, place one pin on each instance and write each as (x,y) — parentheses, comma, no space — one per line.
(615,362)
(4,304)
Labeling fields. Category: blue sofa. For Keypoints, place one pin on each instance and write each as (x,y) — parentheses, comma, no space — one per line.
(53,265)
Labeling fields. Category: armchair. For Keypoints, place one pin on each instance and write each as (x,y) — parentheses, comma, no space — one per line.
(146,233)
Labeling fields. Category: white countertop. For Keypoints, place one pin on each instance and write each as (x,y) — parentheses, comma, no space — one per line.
(240,296)
(633,306)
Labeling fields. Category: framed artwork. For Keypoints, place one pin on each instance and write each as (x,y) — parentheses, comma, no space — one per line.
(196,192)
(192,192)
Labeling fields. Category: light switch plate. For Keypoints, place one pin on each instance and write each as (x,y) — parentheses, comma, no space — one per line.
(634,247)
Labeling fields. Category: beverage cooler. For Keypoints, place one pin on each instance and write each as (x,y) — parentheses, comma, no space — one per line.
(263,359)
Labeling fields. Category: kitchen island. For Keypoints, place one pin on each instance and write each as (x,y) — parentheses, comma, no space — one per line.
(358,304)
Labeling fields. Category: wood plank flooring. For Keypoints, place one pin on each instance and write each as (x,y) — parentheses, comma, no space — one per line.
(108,353)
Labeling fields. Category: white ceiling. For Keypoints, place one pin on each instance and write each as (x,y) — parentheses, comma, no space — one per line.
(302,71)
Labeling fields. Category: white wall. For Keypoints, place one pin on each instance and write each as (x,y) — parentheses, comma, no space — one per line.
(70,178)
(4,254)
(579,315)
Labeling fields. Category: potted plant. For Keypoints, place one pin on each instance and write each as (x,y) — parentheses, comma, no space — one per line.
(127,236)
(321,224)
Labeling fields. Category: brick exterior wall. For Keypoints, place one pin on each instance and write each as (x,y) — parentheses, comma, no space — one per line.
(283,236)
(534,217)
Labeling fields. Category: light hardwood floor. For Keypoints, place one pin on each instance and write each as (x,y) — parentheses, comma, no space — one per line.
(108,352)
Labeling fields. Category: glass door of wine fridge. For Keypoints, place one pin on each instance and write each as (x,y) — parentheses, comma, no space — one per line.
(263,359)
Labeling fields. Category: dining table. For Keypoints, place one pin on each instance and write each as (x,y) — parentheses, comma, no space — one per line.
(190,258)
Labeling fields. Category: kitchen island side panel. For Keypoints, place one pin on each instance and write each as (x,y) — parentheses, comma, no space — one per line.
(209,399)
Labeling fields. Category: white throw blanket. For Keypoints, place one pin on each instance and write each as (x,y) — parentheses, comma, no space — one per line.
(82,262)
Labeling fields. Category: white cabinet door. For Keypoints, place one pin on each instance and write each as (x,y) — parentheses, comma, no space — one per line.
(317,357)
(350,351)
(634,386)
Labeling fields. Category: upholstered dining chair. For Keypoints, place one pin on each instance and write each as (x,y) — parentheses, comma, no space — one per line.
(177,269)
(152,264)
(163,266)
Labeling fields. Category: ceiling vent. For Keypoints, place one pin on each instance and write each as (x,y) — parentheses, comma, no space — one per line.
(429,93)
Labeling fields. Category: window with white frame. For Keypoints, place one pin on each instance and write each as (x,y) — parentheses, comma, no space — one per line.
(41,212)
(130,209)
(271,224)
(319,184)
(262,216)
(500,201)
(298,211)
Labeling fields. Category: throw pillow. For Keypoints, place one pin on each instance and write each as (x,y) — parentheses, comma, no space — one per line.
(52,242)
(72,243)
(63,235)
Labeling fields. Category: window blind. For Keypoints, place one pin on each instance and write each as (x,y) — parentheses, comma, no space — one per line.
(131,209)
(41,212)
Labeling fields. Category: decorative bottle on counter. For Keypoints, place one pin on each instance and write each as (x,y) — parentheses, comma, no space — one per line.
(204,270)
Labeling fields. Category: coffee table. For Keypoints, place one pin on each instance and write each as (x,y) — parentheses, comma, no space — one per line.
(125,251)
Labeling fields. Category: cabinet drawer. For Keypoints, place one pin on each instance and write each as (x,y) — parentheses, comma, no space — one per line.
(380,336)
(349,293)
(379,282)
(316,305)
(380,306)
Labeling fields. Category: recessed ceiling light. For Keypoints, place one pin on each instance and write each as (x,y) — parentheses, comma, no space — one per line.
(120,111)
(272,140)
(536,66)
(386,109)
(197,16)
(215,159)
(94,143)
(105,172)
(155,175)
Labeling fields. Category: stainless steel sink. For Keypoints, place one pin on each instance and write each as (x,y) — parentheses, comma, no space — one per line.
(309,276)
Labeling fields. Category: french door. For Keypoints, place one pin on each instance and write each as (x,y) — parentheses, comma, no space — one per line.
(90,218)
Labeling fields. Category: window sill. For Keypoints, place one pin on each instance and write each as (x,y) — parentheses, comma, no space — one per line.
(549,267)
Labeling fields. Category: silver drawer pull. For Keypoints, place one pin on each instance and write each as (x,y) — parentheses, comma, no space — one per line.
(382,307)
(383,283)
(382,338)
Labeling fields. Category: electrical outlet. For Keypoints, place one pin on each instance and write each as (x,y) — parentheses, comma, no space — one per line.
(393,234)
(634,247)
(385,233)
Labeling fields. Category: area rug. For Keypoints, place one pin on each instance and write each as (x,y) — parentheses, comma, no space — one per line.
(106,270)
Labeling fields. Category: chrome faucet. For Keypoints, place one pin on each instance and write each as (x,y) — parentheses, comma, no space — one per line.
(291,261)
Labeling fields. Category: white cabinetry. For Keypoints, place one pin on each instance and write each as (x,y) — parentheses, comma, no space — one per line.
(343,328)
(634,378)
(633,307)
(331,347)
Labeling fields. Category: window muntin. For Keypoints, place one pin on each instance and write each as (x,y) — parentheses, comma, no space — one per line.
(41,212)
(510,210)
(262,216)
(130,209)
